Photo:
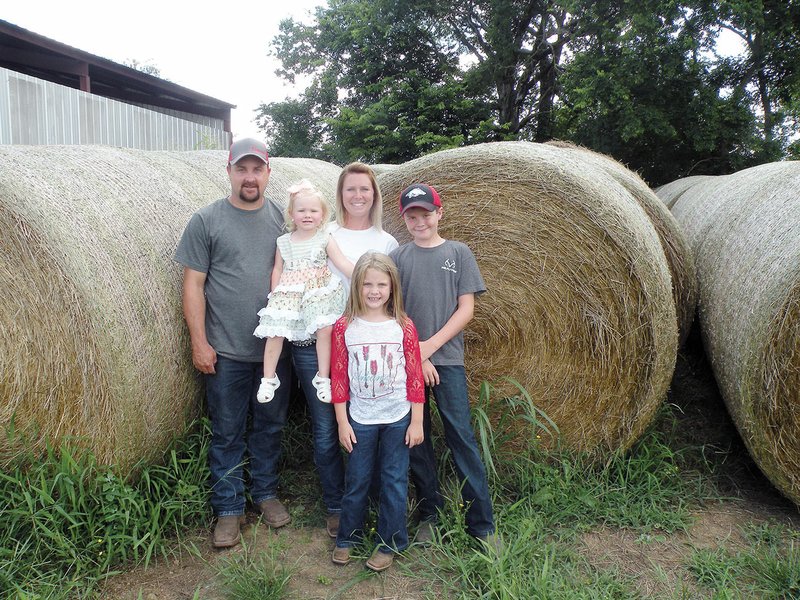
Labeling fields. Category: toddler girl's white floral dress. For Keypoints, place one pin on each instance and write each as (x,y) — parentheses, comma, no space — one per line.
(307,297)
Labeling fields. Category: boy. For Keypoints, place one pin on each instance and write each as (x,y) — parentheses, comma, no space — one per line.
(440,279)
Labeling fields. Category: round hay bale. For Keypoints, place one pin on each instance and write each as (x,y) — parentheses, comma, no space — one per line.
(670,192)
(673,242)
(285,172)
(579,309)
(743,229)
(93,338)
(382,168)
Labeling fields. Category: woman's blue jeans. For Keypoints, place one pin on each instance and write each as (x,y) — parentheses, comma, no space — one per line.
(231,398)
(452,400)
(325,432)
(379,447)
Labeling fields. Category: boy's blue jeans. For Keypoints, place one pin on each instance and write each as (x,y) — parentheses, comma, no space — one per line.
(231,397)
(325,432)
(380,447)
(452,400)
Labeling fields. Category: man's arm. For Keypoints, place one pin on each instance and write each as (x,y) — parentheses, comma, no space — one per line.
(456,323)
(204,356)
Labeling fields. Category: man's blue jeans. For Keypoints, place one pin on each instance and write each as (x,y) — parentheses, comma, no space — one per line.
(452,400)
(325,432)
(231,396)
(380,447)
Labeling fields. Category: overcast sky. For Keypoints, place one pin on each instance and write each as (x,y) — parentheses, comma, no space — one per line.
(217,49)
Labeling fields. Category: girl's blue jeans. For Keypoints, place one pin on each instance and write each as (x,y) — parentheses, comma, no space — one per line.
(379,447)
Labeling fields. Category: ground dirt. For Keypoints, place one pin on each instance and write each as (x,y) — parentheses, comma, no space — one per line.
(657,561)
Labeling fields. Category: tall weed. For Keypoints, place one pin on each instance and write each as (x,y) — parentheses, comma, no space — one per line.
(67,523)
(253,574)
(768,568)
(545,498)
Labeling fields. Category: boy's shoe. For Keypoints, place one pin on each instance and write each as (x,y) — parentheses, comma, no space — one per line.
(323,387)
(424,534)
(332,524)
(340,556)
(274,513)
(226,531)
(380,561)
(266,391)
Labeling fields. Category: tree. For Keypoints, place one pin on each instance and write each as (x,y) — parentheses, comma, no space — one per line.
(398,70)
(767,73)
(382,88)
(640,89)
(636,79)
(291,129)
(516,47)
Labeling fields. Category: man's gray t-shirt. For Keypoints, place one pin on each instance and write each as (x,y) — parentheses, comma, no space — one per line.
(432,280)
(235,248)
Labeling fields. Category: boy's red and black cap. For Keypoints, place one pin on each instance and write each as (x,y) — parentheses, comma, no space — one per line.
(419,195)
(248,147)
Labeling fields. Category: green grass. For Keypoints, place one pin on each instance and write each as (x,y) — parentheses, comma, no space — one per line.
(250,573)
(648,488)
(769,567)
(67,523)
(546,500)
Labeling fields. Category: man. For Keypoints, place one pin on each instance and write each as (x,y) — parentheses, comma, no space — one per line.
(228,250)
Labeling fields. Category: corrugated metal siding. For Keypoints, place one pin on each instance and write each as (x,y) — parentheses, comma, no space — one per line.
(33,111)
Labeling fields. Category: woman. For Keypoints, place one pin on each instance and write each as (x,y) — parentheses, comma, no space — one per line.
(357,230)
(359,210)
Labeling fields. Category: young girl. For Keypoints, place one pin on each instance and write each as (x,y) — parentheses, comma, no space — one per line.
(306,298)
(376,366)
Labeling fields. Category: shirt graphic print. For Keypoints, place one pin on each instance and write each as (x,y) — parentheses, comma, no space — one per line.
(375,368)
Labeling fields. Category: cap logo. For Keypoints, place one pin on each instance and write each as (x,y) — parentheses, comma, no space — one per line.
(415,192)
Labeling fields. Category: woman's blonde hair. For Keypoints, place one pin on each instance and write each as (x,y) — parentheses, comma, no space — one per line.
(382,263)
(376,210)
(305,189)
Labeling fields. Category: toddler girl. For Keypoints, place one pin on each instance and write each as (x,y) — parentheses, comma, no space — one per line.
(306,298)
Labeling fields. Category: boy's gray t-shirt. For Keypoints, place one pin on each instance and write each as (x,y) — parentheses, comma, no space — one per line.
(432,280)
(235,248)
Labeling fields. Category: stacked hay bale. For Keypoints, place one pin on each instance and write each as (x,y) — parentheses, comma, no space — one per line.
(673,242)
(93,341)
(579,309)
(743,229)
(670,192)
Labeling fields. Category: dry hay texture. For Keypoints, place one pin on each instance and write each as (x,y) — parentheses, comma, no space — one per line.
(579,307)
(673,242)
(669,193)
(743,229)
(91,331)
(382,168)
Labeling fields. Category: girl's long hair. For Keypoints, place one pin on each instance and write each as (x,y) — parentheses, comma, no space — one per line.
(302,189)
(376,211)
(382,263)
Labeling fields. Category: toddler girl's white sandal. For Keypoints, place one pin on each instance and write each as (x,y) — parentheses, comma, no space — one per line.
(266,391)
(323,387)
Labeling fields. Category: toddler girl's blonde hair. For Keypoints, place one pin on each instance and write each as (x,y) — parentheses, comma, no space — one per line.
(382,263)
(305,189)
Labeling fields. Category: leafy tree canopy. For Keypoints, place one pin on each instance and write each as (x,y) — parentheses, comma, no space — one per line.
(640,80)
